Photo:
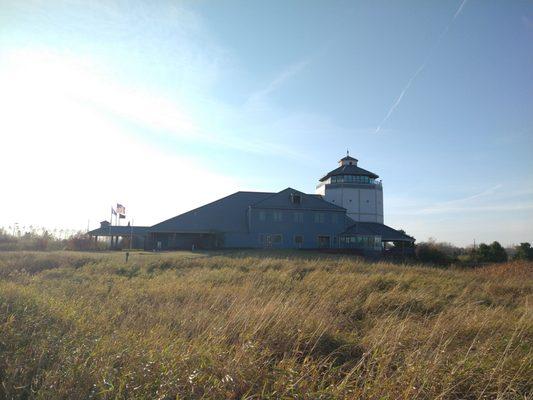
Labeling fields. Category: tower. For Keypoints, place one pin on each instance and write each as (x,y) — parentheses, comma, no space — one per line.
(355,189)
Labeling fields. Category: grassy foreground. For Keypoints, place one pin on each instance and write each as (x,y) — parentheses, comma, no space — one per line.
(253,325)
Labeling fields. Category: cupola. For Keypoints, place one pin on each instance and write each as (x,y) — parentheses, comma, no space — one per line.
(347,160)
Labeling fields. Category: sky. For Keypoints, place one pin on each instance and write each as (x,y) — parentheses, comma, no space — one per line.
(164,106)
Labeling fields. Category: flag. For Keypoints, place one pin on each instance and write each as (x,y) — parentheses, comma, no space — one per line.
(121,209)
(113,212)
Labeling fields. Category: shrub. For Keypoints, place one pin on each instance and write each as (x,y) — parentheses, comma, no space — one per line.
(523,252)
(429,252)
(79,241)
(491,253)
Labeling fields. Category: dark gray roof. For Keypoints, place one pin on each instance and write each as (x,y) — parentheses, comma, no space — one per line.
(227,214)
(373,228)
(349,170)
(308,201)
(113,230)
(348,158)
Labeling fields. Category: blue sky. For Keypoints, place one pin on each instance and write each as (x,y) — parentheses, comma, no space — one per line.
(164,106)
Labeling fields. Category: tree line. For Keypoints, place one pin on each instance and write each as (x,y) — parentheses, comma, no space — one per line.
(443,253)
(41,239)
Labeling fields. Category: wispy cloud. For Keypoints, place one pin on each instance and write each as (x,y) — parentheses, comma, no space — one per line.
(289,72)
(496,199)
(421,67)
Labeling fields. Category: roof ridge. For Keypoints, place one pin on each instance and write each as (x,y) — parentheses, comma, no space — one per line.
(197,208)
(253,191)
(269,197)
(318,197)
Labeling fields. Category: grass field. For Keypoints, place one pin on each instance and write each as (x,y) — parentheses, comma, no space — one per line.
(259,325)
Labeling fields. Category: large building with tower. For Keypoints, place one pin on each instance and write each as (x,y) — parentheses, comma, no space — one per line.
(346,212)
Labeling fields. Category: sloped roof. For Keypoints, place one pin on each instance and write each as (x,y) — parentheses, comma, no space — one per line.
(227,214)
(308,201)
(349,170)
(373,228)
(348,158)
(113,230)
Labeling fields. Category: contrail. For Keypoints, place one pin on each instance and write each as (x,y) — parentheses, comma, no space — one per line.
(422,66)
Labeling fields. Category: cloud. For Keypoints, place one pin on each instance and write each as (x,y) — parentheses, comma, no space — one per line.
(289,72)
(421,68)
(496,199)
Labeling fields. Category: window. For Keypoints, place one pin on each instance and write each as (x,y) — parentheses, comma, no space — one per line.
(262,215)
(319,218)
(298,239)
(323,242)
(276,215)
(296,198)
(334,218)
(276,239)
(299,217)
(352,179)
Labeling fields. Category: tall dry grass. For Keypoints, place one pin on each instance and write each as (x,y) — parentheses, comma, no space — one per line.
(260,325)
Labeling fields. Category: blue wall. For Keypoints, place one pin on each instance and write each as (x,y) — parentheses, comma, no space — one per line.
(282,221)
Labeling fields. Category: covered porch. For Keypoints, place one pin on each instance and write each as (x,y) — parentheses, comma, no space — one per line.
(120,237)
(202,240)
(376,237)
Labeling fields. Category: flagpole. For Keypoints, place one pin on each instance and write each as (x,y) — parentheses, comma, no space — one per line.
(110,223)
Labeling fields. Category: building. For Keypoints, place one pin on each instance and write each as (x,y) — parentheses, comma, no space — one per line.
(345,213)
(355,189)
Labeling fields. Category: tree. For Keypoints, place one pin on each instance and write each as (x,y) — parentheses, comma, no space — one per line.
(491,253)
(524,252)
(429,252)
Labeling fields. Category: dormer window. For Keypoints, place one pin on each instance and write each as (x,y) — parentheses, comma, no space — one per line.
(296,199)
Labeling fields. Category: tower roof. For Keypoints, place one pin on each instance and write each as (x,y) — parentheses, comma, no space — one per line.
(348,158)
(348,166)
(349,170)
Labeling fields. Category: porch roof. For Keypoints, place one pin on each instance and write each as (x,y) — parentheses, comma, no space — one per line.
(387,233)
(113,230)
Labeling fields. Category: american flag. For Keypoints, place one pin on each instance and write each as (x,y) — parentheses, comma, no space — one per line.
(121,209)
